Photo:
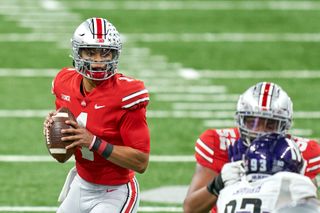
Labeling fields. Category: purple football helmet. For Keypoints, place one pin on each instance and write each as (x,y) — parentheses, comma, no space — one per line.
(272,153)
(236,151)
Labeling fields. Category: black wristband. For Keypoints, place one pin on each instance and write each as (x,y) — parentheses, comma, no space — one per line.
(98,147)
(216,185)
(96,144)
(107,151)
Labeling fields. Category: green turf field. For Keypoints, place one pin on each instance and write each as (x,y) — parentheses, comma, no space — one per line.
(188,53)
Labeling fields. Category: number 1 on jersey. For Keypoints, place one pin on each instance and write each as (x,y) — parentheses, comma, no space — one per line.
(82,121)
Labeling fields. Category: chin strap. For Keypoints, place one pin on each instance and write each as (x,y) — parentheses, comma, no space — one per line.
(247,141)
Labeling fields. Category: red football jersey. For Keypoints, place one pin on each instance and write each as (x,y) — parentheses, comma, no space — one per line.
(212,150)
(114,111)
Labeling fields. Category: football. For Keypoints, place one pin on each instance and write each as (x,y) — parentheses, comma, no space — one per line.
(53,135)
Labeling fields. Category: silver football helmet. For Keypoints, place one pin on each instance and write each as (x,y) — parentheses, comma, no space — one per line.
(96,35)
(263,108)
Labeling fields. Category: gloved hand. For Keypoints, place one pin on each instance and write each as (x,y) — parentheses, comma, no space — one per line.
(230,174)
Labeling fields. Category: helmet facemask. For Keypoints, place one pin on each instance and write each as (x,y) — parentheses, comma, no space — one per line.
(94,69)
(252,125)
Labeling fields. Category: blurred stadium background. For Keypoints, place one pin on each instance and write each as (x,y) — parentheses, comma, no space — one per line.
(195,57)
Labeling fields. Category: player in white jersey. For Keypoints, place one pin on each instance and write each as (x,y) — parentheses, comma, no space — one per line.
(307,206)
(272,178)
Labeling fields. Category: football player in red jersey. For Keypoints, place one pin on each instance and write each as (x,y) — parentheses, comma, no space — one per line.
(263,108)
(111,135)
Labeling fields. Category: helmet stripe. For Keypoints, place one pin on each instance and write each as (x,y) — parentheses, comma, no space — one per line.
(99,27)
(104,28)
(93,28)
(272,88)
(266,91)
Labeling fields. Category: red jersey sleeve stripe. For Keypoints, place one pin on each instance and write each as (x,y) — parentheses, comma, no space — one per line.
(313,160)
(313,168)
(198,151)
(313,164)
(204,146)
(144,91)
(136,102)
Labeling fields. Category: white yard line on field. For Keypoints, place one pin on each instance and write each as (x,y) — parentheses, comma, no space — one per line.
(51,5)
(187,73)
(24,113)
(190,73)
(203,114)
(31,37)
(28,209)
(223,37)
(17,14)
(211,89)
(54,209)
(174,97)
(203,106)
(219,123)
(47,158)
(216,114)
(45,33)
(196,5)
(25,72)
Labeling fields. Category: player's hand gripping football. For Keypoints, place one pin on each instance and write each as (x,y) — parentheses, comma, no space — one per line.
(52,126)
(80,136)
(230,174)
(48,121)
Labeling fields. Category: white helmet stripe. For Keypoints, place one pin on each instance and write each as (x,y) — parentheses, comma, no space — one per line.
(269,97)
(261,92)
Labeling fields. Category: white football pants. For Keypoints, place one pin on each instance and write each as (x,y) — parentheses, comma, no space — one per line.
(85,197)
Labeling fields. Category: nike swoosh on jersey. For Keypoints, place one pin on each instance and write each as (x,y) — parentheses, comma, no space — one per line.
(110,190)
(96,106)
